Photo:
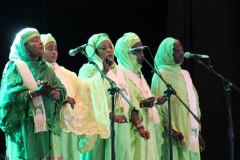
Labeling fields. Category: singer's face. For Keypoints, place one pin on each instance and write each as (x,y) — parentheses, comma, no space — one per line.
(35,47)
(105,48)
(136,53)
(178,53)
(50,53)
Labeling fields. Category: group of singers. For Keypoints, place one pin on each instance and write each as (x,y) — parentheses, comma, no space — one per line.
(50,112)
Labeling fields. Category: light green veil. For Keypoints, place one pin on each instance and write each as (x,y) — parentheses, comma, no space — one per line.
(93,43)
(164,55)
(124,59)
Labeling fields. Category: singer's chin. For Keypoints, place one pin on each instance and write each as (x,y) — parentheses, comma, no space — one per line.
(181,60)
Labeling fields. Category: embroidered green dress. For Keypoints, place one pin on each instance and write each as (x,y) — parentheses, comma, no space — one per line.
(16,110)
(16,107)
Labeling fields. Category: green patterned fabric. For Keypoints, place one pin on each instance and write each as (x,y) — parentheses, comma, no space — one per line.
(16,107)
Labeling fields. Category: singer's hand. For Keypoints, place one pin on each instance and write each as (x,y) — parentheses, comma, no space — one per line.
(149,102)
(161,100)
(44,83)
(145,134)
(202,142)
(44,89)
(120,119)
(107,64)
(71,101)
(177,135)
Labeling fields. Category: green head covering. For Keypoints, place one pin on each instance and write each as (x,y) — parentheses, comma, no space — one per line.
(28,33)
(18,49)
(164,55)
(121,52)
(45,38)
(94,42)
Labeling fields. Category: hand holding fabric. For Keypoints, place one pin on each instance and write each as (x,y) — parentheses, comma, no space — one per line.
(44,89)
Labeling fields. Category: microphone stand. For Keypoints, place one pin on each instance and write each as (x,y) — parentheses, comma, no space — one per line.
(227,89)
(112,91)
(168,94)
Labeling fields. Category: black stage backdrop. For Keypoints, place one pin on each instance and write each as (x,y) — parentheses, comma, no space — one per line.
(205,27)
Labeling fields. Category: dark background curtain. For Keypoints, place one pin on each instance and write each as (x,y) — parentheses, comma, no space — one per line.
(208,27)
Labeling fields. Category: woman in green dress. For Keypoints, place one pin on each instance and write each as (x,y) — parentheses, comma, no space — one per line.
(31,96)
(187,140)
(131,65)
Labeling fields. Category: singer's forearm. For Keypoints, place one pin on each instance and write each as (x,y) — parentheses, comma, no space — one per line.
(135,118)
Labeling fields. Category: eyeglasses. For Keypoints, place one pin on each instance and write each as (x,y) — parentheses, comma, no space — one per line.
(178,49)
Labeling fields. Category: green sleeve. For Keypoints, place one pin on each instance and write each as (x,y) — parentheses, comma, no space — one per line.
(14,99)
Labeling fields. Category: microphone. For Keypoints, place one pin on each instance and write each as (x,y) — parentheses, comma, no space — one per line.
(136,49)
(191,55)
(72,52)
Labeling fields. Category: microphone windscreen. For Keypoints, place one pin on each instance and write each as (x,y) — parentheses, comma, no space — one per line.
(186,54)
(72,53)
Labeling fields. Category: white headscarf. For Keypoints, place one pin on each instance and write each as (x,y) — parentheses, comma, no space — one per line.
(45,38)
